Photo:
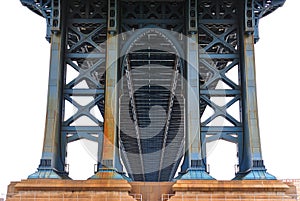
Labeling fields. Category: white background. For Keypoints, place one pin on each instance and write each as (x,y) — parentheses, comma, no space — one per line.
(24,79)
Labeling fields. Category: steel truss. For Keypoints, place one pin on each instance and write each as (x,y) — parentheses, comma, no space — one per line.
(86,54)
(218,38)
(83,51)
(220,45)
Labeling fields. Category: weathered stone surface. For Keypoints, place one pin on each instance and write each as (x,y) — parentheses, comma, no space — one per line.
(244,190)
(294,187)
(120,190)
(152,191)
(69,190)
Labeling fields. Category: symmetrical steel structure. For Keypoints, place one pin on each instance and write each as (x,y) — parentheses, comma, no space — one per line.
(165,75)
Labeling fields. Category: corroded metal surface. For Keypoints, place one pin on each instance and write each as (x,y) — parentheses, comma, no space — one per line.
(164,77)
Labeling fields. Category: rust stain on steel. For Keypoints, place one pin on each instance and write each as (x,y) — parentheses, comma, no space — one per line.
(106,174)
(110,101)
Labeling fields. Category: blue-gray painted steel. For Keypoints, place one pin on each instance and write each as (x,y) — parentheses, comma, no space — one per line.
(217,42)
(251,162)
(52,163)
(83,51)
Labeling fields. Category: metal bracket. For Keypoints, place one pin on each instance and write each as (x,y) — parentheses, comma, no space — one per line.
(43,9)
(112,16)
(55,16)
(258,171)
(193,15)
(255,10)
(249,16)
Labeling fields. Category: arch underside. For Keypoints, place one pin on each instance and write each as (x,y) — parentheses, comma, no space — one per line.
(152,72)
(152,108)
(152,80)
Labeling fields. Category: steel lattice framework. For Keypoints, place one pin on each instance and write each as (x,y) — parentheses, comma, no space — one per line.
(155,82)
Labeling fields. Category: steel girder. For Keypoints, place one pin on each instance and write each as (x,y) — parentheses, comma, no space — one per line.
(194,164)
(86,54)
(255,9)
(52,163)
(227,45)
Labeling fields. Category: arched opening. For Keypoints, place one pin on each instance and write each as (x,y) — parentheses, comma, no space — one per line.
(151,104)
(81,159)
(222,159)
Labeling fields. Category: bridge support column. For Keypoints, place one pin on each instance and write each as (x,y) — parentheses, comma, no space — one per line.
(52,164)
(250,154)
(109,165)
(194,165)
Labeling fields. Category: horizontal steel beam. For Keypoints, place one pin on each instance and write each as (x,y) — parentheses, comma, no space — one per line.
(217,129)
(84,92)
(87,129)
(220,92)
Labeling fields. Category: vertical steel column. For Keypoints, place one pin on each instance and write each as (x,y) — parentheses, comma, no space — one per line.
(110,165)
(194,163)
(52,163)
(250,156)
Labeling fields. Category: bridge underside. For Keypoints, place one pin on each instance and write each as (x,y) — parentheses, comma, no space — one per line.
(156,72)
(152,109)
